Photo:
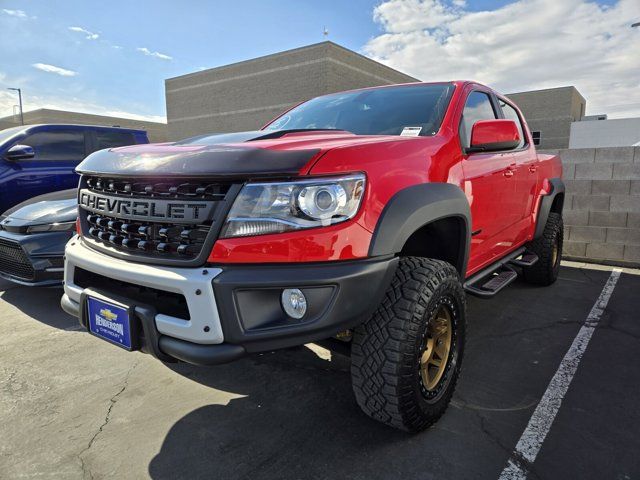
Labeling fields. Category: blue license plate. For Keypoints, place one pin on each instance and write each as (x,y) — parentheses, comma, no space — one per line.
(110,322)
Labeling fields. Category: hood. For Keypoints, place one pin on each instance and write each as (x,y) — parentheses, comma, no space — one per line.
(54,207)
(237,155)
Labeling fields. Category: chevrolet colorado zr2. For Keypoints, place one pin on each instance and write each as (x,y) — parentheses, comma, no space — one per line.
(359,218)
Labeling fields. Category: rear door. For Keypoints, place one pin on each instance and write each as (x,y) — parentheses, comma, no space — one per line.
(489,186)
(525,159)
(109,138)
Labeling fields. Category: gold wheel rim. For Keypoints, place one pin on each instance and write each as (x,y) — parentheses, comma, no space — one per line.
(554,253)
(437,345)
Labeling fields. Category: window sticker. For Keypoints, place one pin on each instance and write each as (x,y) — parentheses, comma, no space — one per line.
(411,131)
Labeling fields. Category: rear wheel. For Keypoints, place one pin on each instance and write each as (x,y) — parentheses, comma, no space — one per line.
(406,358)
(549,250)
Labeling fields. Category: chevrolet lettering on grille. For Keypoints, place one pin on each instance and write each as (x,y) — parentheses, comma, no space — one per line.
(146,209)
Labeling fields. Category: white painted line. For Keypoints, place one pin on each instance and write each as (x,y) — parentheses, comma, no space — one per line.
(540,423)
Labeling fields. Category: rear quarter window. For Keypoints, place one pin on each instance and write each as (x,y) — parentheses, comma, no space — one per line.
(107,139)
(510,113)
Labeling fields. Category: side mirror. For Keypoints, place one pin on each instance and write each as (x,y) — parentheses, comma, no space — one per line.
(20,152)
(494,136)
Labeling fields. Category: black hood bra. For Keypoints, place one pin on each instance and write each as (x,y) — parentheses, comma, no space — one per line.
(215,158)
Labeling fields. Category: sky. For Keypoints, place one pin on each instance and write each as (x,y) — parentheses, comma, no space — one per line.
(112,57)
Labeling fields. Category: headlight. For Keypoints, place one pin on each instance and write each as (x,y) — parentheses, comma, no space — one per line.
(52,227)
(280,207)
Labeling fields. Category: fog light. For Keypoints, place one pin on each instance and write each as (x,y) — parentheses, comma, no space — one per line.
(294,302)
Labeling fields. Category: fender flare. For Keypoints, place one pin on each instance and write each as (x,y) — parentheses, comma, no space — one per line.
(546,202)
(414,207)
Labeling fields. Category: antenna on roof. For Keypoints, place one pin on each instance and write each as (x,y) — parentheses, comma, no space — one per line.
(325,32)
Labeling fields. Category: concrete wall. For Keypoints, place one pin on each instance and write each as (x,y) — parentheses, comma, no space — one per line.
(246,95)
(551,112)
(602,204)
(619,132)
(157,131)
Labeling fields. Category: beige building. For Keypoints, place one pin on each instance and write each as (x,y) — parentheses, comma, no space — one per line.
(246,95)
(550,113)
(156,131)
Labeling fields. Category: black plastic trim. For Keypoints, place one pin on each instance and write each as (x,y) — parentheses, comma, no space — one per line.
(357,288)
(546,202)
(413,208)
(199,354)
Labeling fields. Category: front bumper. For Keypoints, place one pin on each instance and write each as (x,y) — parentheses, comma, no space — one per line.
(214,314)
(32,260)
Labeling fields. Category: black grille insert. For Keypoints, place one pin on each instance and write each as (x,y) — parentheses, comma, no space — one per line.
(13,260)
(179,189)
(153,237)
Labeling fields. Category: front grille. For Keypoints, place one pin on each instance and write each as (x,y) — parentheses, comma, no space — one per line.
(13,260)
(153,237)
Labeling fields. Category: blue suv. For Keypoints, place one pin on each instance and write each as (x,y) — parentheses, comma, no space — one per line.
(38,159)
(38,194)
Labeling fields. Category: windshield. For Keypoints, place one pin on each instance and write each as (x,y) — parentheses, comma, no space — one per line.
(404,110)
(7,133)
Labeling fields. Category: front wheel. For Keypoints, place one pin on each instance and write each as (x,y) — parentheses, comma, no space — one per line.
(406,358)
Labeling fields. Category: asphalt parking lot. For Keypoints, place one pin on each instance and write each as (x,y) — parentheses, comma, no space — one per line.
(72,406)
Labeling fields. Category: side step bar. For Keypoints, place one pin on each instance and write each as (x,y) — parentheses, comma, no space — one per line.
(497,280)
(488,282)
(528,259)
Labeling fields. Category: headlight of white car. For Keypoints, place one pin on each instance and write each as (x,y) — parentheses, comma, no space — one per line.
(266,207)
(52,227)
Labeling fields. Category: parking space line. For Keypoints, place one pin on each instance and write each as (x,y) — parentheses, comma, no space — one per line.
(543,416)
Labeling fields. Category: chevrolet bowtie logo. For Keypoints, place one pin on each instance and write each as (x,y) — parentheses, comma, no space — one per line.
(108,314)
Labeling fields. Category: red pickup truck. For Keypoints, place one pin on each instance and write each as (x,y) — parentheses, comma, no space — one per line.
(358,219)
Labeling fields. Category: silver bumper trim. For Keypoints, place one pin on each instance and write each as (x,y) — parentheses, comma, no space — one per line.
(193,283)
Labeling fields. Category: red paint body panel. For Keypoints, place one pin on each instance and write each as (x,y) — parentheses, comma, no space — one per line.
(346,241)
(486,132)
(503,189)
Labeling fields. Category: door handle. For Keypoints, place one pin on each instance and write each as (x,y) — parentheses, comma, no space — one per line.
(533,168)
(509,171)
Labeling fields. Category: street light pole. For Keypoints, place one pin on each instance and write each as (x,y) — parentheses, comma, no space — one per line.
(20,100)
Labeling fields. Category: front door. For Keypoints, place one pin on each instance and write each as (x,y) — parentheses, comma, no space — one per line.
(489,184)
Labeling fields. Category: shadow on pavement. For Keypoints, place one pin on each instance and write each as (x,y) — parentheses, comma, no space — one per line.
(41,304)
(296,417)
(299,419)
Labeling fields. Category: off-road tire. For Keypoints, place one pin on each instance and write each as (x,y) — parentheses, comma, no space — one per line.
(545,270)
(386,350)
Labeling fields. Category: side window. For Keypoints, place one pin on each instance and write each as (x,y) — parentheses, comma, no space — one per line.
(477,107)
(57,145)
(510,113)
(111,139)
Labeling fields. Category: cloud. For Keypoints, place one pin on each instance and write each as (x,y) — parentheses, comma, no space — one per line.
(89,35)
(15,13)
(524,45)
(45,67)
(149,53)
